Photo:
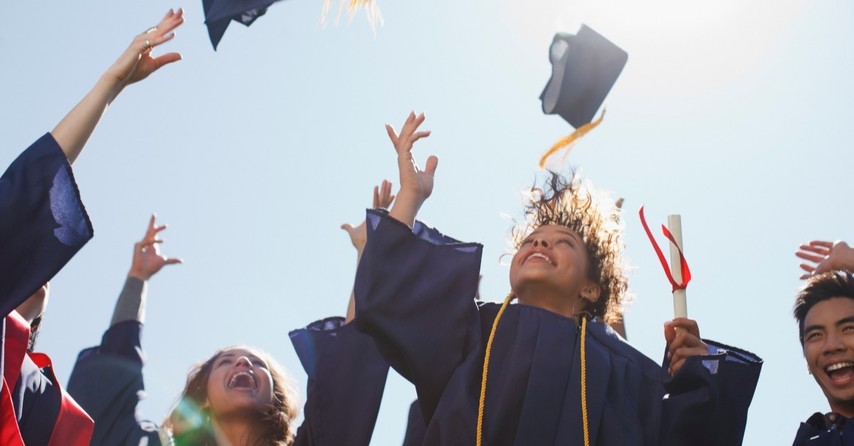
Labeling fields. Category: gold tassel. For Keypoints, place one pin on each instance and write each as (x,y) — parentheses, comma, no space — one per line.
(481,405)
(569,141)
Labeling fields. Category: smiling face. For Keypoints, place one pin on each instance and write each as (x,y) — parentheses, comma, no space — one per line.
(549,270)
(829,351)
(239,381)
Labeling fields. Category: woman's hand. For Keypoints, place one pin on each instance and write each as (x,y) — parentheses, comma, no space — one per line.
(359,234)
(416,185)
(683,340)
(137,62)
(147,259)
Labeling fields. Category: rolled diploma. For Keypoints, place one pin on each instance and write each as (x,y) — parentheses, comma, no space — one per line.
(680,304)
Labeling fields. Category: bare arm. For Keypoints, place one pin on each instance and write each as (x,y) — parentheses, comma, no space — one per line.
(147,261)
(135,64)
(358,236)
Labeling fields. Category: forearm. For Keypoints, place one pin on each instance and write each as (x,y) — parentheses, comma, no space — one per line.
(406,207)
(75,128)
(131,303)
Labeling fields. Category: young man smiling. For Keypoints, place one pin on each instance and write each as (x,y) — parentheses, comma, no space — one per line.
(824,308)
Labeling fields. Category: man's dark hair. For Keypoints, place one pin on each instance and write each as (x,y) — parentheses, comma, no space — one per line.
(819,288)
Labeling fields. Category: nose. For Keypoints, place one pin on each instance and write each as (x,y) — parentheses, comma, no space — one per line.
(541,242)
(833,343)
(243,361)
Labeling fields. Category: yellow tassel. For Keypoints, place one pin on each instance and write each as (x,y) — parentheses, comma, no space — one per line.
(569,141)
(482,401)
(584,379)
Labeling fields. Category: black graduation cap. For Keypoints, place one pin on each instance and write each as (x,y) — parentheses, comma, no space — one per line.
(219,13)
(584,68)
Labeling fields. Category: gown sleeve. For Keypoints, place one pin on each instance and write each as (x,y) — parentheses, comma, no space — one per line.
(107,382)
(709,398)
(346,379)
(42,221)
(415,296)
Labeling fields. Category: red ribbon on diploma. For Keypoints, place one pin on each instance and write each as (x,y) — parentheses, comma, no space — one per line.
(686,272)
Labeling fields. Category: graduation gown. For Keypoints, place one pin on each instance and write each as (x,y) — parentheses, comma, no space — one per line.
(825,430)
(414,295)
(346,377)
(42,221)
(42,225)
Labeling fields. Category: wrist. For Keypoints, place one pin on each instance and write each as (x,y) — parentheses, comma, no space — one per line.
(136,274)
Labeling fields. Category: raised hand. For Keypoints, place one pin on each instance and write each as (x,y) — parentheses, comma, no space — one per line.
(382,200)
(137,62)
(147,259)
(683,343)
(416,185)
(825,256)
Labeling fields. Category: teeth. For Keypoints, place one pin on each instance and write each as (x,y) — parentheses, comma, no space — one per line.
(840,365)
(233,381)
(538,255)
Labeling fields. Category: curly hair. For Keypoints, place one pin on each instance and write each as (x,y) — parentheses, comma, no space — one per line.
(574,203)
(189,423)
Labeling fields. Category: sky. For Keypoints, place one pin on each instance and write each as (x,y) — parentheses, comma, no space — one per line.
(733,114)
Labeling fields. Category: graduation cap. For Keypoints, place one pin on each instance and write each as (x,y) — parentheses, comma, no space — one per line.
(219,13)
(584,68)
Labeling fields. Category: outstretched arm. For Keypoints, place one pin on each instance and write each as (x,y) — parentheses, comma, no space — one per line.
(147,261)
(415,185)
(359,235)
(825,256)
(134,65)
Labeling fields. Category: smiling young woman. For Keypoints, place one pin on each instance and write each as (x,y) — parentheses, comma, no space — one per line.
(547,370)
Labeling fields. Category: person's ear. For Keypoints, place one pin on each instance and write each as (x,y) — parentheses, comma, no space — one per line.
(591,292)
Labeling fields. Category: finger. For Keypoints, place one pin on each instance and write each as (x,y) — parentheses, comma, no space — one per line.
(810,257)
(166,59)
(410,125)
(669,334)
(808,268)
(347,227)
(432,164)
(160,228)
(376,202)
(173,261)
(821,243)
(815,249)
(418,135)
(392,135)
(688,325)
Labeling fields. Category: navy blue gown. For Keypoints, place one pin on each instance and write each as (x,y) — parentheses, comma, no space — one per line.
(42,221)
(825,430)
(346,377)
(414,295)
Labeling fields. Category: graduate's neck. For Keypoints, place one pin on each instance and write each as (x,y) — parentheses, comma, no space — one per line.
(844,408)
(236,431)
(550,299)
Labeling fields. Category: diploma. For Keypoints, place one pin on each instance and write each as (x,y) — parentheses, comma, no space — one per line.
(680,304)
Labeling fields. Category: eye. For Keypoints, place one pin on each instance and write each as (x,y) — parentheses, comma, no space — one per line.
(848,328)
(567,241)
(224,361)
(259,363)
(527,241)
(812,336)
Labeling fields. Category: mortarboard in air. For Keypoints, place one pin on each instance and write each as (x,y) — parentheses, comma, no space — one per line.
(584,68)
(219,13)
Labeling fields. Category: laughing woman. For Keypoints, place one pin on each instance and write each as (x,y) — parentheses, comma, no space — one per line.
(239,396)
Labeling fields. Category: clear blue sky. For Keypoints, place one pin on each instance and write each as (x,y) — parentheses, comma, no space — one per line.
(734,114)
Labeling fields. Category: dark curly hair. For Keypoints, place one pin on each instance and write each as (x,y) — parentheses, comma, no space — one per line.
(190,425)
(574,203)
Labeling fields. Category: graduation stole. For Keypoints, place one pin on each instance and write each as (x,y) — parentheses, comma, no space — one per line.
(482,400)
